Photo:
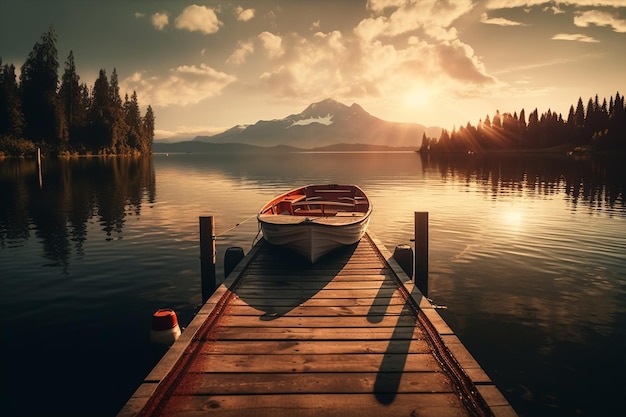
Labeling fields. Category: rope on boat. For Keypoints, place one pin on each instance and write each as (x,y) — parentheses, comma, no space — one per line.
(254,241)
(237,225)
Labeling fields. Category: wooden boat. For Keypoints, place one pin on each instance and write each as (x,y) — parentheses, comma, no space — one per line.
(316,219)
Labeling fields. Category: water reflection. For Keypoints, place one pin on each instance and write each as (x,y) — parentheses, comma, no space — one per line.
(109,190)
(594,183)
(73,192)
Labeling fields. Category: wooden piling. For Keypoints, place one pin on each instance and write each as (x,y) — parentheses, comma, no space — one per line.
(208,257)
(233,255)
(39,167)
(403,254)
(421,251)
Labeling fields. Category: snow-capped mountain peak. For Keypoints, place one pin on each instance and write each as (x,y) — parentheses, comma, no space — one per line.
(325,120)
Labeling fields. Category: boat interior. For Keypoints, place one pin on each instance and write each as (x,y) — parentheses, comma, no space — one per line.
(320,201)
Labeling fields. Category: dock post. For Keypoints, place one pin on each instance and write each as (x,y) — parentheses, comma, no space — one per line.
(421,251)
(233,255)
(403,254)
(208,257)
(39,167)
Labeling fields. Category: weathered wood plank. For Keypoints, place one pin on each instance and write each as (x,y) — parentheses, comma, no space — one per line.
(245,293)
(270,285)
(332,270)
(314,383)
(364,336)
(314,347)
(303,322)
(363,362)
(317,405)
(323,302)
(317,311)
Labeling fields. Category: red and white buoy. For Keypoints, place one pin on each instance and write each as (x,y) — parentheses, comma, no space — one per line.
(165,328)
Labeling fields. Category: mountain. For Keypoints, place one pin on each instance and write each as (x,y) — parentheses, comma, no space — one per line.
(326,123)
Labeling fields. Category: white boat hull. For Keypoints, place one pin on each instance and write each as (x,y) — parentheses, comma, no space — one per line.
(313,238)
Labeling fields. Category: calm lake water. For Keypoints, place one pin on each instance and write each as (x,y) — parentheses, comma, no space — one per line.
(527,257)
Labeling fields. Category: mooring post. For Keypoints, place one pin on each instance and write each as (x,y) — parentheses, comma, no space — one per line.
(421,251)
(232,257)
(39,167)
(208,257)
(403,254)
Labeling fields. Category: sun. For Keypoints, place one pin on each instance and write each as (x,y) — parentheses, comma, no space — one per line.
(417,97)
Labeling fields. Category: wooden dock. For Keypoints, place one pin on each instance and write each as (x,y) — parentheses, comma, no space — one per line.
(348,336)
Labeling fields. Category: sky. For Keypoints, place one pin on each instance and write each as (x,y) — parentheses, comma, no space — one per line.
(206,66)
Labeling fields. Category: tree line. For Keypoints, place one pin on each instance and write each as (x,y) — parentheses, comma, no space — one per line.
(66,117)
(596,128)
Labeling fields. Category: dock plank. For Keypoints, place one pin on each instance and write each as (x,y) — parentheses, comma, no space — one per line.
(230,383)
(314,405)
(301,363)
(290,346)
(320,333)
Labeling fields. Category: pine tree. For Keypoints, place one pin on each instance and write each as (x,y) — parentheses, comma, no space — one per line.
(148,130)
(522,118)
(132,116)
(99,117)
(497,121)
(579,115)
(39,81)
(11,117)
(73,104)
(119,129)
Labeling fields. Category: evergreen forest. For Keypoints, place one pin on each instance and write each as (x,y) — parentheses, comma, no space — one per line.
(64,117)
(597,127)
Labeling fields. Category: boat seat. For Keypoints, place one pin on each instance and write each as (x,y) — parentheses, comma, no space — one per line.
(322,203)
(314,213)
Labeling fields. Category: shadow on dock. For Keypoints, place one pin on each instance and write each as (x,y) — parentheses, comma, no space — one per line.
(281,280)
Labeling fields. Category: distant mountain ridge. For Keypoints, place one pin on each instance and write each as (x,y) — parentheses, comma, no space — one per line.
(238,148)
(326,123)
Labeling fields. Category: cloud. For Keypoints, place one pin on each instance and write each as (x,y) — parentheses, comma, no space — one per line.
(238,57)
(244,15)
(598,18)
(413,44)
(574,37)
(460,63)
(186,84)
(160,20)
(499,21)
(312,68)
(332,65)
(510,4)
(273,44)
(379,6)
(139,15)
(369,29)
(555,61)
(430,16)
(198,18)
(554,8)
